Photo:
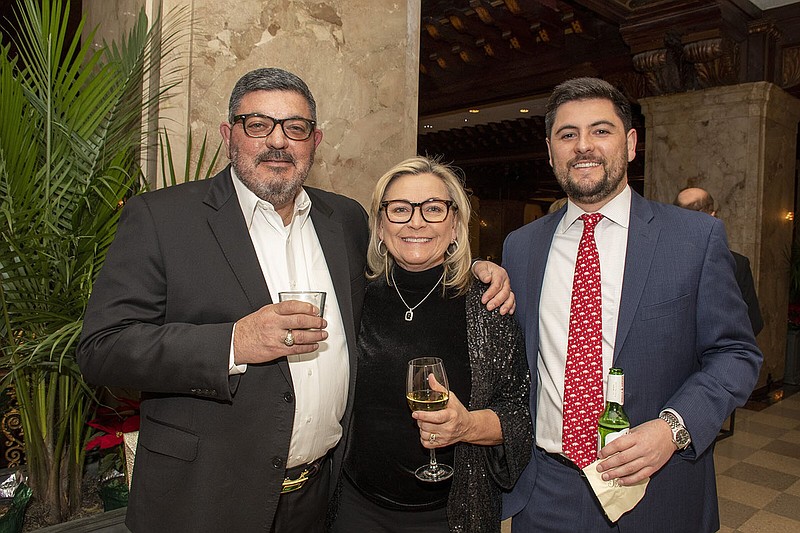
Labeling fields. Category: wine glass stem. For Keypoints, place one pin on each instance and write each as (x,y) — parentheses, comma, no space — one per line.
(433,463)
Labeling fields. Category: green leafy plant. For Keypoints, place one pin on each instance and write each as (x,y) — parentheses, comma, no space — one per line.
(70,141)
(202,170)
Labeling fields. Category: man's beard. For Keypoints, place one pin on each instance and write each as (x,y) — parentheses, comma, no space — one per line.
(592,192)
(282,185)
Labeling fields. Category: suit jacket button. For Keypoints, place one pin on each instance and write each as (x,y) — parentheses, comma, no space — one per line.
(288,397)
(277,462)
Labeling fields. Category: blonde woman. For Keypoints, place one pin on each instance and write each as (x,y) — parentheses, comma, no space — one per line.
(423,300)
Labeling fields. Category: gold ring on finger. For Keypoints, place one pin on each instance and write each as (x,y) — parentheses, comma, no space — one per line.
(288,340)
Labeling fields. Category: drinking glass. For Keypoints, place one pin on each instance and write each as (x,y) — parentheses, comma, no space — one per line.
(422,396)
(316,298)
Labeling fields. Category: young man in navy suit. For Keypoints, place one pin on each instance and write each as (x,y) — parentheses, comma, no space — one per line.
(672,318)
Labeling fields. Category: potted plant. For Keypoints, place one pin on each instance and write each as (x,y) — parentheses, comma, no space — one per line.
(112,423)
(70,139)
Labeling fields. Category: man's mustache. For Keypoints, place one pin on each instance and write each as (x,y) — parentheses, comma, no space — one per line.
(585,159)
(275,155)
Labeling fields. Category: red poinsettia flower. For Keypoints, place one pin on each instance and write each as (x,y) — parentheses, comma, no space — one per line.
(114,422)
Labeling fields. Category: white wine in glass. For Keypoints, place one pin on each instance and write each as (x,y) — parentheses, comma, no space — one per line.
(422,396)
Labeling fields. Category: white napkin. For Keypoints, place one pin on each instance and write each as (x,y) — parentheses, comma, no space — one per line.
(616,499)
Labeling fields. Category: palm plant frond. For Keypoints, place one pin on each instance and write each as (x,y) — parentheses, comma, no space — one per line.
(203,168)
(70,142)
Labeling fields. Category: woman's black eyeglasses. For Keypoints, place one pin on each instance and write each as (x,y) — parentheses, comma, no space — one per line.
(432,211)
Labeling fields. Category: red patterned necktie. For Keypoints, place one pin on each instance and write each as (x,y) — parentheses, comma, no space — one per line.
(583,376)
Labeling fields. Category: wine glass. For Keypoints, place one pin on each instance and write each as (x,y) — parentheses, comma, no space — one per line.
(422,396)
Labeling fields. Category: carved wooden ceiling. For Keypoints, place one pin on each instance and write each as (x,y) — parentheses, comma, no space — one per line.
(478,52)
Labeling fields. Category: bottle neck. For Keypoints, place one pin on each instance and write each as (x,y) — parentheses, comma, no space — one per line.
(616,389)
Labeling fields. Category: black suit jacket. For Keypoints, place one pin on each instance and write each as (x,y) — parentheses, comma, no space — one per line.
(744,278)
(182,269)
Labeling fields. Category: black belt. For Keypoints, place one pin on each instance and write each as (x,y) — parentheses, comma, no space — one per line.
(297,476)
(561,459)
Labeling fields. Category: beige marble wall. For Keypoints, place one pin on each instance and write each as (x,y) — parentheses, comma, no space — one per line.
(738,143)
(359,57)
(110,18)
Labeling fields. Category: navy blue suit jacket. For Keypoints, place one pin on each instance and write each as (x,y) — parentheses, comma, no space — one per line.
(683,339)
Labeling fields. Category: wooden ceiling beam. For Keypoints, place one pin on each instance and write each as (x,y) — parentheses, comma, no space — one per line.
(488,39)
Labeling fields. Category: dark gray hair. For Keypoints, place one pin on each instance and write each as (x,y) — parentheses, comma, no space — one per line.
(587,89)
(269,79)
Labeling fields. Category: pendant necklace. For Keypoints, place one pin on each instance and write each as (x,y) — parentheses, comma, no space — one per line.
(410,313)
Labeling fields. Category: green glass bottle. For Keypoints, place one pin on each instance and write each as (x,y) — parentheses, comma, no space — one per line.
(613,422)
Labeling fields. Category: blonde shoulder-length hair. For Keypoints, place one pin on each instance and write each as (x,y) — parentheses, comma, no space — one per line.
(458,258)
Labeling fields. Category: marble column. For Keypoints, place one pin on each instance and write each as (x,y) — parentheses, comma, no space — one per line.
(739,143)
(360,59)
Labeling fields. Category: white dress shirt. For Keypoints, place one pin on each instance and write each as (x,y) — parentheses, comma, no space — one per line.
(291,258)
(611,235)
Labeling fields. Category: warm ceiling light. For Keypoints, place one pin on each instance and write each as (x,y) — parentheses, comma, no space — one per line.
(474,110)
(428,126)
(524,110)
(790,216)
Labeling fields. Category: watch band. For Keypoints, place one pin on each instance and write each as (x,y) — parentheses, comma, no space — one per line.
(680,436)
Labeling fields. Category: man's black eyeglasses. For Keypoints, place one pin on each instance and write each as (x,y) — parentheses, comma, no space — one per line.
(259,126)
(432,211)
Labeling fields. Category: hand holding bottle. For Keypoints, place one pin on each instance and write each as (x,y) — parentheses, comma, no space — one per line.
(613,423)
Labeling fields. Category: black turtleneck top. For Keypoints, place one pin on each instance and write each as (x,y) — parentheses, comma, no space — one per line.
(384,449)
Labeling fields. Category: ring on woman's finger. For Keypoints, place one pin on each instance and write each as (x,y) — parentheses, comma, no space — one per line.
(432,438)
(288,340)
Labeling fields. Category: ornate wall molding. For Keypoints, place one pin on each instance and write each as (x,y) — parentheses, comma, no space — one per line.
(632,84)
(790,67)
(765,26)
(661,70)
(716,61)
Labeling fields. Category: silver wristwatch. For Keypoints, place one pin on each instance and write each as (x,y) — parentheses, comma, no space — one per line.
(680,436)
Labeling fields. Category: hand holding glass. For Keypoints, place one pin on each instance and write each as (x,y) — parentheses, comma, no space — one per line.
(316,298)
(422,396)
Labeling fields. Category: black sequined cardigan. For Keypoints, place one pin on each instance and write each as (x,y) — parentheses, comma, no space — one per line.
(500,382)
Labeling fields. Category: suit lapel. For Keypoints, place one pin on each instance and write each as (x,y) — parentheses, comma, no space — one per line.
(228,225)
(643,233)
